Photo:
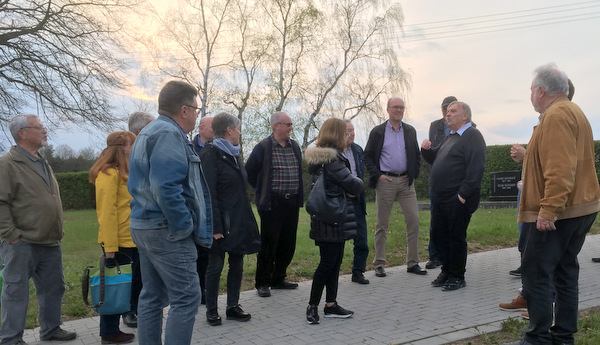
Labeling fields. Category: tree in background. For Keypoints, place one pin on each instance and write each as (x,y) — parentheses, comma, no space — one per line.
(59,59)
(311,59)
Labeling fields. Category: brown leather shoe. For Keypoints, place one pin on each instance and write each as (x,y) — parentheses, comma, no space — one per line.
(517,304)
(121,338)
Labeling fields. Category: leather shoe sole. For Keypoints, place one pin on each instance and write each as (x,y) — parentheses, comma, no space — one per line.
(263,291)
(380,272)
(416,269)
(284,285)
(360,279)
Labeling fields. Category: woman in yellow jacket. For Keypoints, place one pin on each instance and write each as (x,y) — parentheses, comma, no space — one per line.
(109,174)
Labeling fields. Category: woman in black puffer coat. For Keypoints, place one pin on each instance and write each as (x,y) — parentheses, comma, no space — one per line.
(328,156)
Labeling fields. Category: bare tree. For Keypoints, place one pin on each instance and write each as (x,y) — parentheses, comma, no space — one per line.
(58,58)
(360,32)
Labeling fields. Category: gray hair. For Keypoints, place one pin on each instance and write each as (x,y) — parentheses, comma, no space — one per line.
(465,107)
(551,78)
(19,122)
(276,117)
(221,122)
(138,120)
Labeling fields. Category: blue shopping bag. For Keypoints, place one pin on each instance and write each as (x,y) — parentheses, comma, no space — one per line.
(110,287)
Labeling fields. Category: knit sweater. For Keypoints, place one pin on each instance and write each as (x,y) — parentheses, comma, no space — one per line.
(458,164)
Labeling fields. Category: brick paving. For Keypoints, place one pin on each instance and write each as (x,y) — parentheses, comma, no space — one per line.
(401,308)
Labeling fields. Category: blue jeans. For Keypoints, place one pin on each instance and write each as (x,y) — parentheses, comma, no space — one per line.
(550,273)
(169,277)
(43,264)
(361,244)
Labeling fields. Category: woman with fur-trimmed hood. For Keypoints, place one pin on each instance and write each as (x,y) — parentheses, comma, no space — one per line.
(328,156)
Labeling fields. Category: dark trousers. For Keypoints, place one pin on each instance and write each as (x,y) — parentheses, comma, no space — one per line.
(109,324)
(550,273)
(449,221)
(278,229)
(201,265)
(433,255)
(216,260)
(361,242)
(327,273)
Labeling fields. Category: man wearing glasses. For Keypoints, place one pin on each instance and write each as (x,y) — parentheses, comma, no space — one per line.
(275,171)
(31,229)
(393,160)
(170,213)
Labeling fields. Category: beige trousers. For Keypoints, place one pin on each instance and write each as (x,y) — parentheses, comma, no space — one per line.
(387,193)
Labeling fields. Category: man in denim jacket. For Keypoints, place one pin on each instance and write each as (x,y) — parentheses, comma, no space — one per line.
(170,212)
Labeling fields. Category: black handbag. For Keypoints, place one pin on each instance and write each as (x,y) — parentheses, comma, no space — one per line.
(328,206)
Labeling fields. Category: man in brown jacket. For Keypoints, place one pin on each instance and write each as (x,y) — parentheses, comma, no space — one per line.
(559,203)
(31,227)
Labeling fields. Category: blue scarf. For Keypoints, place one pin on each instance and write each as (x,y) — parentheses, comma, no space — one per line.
(227,147)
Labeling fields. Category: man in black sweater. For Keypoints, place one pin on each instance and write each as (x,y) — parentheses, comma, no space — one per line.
(456,174)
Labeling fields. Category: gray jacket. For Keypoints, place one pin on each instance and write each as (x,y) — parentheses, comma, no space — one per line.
(30,209)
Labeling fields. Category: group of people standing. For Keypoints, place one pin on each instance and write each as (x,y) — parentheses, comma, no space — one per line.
(174,208)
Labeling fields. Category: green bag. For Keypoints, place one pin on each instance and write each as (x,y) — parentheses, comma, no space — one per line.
(110,287)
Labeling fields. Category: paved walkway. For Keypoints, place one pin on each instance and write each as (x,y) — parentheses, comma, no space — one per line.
(400,309)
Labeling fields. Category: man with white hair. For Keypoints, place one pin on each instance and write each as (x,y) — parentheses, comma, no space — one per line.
(138,120)
(559,202)
(275,171)
(31,229)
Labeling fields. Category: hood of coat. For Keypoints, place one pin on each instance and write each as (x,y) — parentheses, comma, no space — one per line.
(320,155)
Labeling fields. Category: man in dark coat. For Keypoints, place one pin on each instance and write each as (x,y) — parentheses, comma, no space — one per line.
(456,174)
(393,160)
(275,171)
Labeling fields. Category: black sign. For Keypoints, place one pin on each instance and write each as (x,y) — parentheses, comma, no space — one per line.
(504,185)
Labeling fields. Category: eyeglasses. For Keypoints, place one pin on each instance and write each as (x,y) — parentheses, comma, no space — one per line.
(39,128)
(397,107)
(289,124)
(191,106)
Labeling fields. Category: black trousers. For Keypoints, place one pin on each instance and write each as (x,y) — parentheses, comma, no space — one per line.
(278,229)
(327,273)
(449,221)
(550,273)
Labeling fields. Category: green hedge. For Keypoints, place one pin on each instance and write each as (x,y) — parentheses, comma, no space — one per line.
(77,193)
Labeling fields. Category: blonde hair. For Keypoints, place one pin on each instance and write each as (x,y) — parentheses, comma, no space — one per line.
(113,155)
(332,134)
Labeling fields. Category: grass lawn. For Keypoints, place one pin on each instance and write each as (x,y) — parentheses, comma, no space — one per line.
(489,229)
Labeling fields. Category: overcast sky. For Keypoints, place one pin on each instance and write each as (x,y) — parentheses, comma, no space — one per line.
(446,52)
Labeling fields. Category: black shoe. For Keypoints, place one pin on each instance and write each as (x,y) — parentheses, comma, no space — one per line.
(284,285)
(454,284)
(312,315)
(434,263)
(263,291)
(130,320)
(121,338)
(440,280)
(416,269)
(237,313)
(380,272)
(336,311)
(60,335)
(516,273)
(213,318)
(595,259)
(358,277)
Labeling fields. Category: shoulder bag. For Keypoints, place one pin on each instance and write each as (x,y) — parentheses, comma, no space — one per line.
(110,287)
(326,205)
